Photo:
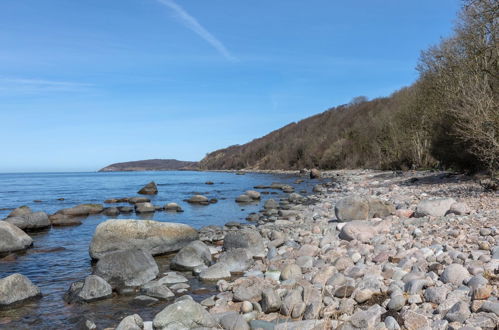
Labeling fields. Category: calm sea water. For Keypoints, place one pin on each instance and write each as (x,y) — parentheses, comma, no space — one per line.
(60,255)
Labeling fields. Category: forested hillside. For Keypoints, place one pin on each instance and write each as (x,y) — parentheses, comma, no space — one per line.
(448,118)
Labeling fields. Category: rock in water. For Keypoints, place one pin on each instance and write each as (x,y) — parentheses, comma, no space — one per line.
(127,268)
(131,322)
(17,289)
(82,210)
(184,314)
(149,189)
(315,173)
(20,212)
(153,236)
(31,221)
(244,199)
(92,289)
(434,207)
(12,238)
(144,208)
(199,199)
(248,239)
(192,255)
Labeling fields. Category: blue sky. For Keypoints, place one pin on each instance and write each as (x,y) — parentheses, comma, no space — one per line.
(87,83)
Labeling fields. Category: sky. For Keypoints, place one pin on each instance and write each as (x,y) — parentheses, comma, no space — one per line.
(87,83)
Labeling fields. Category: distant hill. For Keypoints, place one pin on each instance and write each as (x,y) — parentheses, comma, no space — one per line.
(151,165)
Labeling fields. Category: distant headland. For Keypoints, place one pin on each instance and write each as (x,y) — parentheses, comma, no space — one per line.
(151,165)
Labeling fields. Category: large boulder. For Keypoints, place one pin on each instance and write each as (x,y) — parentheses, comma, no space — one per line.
(192,255)
(153,236)
(30,221)
(149,189)
(359,208)
(12,238)
(82,210)
(93,288)
(184,314)
(434,207)
(363,231)
(127,268)
(17,289)
(248,239)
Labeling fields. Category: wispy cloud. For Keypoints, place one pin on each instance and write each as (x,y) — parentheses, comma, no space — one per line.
(31,86)
(192,23)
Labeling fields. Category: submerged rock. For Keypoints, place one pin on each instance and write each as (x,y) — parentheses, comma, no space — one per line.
(82,210)
(17,289)
(149,189)
(153,236)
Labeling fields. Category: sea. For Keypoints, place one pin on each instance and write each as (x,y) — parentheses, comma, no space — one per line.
(59,255)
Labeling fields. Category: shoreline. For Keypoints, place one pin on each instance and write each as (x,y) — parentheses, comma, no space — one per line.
(397,258)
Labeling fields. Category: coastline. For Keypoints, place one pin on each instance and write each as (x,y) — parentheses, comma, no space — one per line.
(311,274)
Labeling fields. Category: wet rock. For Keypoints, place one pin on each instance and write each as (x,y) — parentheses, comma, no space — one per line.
(149,189)
(144,208)
(12,238)
(125,209)
(21,211)
(248,239)
(198,199)
(111,211)
(192,255)
(153,236)
(93,288)
(244,199)
(82,210)
(61,220)
(173,207)
(30,221)
(434,207)
(16,290)
(183,314)
(135,200)
(127,268)
(157,290)
(255,195)
(131,322)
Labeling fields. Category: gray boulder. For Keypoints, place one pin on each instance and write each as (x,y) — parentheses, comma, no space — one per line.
(455,274)
(144,208)
(255,195)
(270,204)
(30,221)
(199,199)
(237,260)
(434,207)
(149,189)
(157,289)
(234,321)
(248,239)
(218,271)
(131,322)
(127,268)
(92,289)
(17,289)
(192,255)
(153,236)
(184,314)
(12,238)
(244,199)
